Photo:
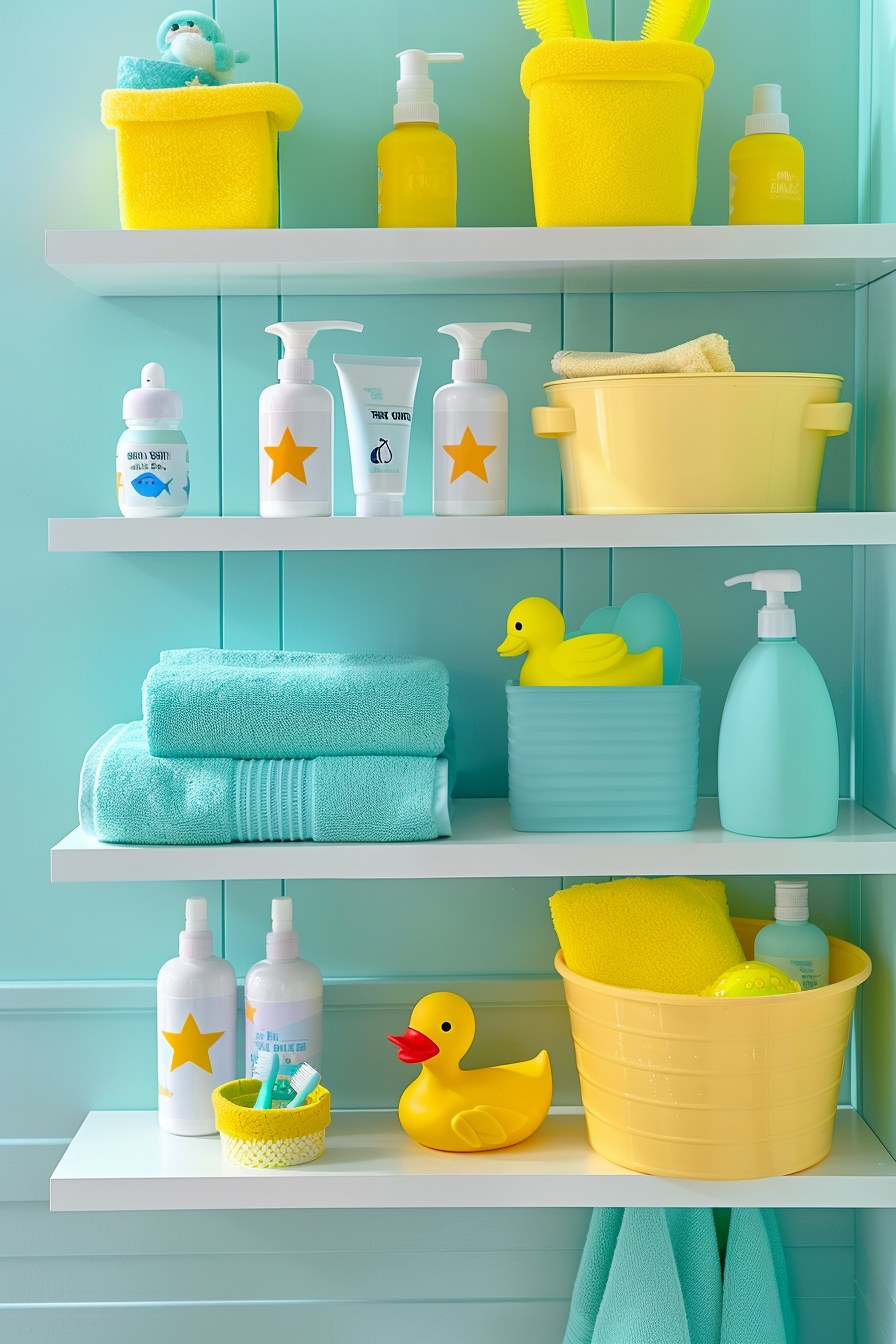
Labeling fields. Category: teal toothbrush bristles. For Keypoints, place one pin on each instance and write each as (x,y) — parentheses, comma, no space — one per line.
(266,1067)
(303,1082)
(555,18)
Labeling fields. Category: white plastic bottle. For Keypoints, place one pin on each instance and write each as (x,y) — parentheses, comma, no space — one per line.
(152,460)
(795,946)
(284,1002)
(469,429)
(196,1023)
(295,430)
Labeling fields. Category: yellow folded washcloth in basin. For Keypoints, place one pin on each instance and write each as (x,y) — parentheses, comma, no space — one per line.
(671,935)
(706,354)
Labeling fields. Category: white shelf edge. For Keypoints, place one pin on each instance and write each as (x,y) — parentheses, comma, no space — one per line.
(516,259)
(484,845)
(438,534)
(122,1160)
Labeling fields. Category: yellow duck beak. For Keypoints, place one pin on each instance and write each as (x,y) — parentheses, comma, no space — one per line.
(512,647)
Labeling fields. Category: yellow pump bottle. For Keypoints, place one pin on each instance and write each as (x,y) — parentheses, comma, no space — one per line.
(416,162)
(766,171)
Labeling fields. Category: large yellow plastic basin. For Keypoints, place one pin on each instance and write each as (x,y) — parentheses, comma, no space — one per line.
(693,442)
(713,1089)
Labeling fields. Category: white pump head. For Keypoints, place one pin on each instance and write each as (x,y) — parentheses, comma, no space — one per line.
(282,943)
(195,941)
(295,366)
(471,337)
(152,400)
(767,117)
(776,619)
(414,87)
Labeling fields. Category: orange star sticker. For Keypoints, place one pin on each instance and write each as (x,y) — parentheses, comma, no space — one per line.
(118,481)
(191,1046)
(289,457)
(250,1011)
(468,455)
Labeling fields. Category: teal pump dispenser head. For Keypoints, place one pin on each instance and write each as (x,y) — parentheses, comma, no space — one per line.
(779,755)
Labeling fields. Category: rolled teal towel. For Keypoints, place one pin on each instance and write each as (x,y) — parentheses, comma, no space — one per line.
(755,1292)
(648,1276)
(213,702)
(129,796)
(135,72)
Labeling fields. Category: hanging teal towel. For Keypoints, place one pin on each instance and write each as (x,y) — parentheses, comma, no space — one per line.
(241,703)
(648,1276)
(130,797)
(654,1276)
(755,1295)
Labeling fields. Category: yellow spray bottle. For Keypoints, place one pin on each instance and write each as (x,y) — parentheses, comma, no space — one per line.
(416,162)
(766,166)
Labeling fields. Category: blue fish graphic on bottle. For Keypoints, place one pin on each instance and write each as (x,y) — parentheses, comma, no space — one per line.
(149,485)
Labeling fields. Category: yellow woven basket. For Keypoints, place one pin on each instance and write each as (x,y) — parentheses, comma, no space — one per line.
(283,1138)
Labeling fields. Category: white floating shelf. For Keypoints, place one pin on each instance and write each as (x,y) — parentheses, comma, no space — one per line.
(471,534)
(484,845)
(123,1160)
(714,258)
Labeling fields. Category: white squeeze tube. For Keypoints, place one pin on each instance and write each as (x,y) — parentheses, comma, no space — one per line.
(378,393)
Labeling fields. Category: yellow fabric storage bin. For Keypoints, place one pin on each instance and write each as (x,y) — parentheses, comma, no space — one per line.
(614,129)
(713,1089)
(203,157)
(281,1138)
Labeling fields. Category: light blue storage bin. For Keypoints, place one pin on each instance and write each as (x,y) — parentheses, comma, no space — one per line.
(603,758)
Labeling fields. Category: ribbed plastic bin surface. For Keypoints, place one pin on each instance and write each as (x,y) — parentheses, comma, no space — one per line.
(603,758)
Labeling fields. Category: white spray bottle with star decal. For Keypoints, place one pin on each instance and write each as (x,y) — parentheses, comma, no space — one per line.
(196,1024)
(295,430)
(469,429)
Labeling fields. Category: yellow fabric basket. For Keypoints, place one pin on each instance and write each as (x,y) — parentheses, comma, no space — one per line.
(614,129)
(203,157)
(715,1089)
(282,1138)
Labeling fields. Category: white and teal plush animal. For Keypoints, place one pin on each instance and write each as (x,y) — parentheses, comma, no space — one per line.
(194,39)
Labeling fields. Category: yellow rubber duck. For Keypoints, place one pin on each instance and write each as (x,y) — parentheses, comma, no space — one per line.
(535,626)
(459,1110)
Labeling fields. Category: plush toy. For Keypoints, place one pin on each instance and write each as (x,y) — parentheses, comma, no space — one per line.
(193,39)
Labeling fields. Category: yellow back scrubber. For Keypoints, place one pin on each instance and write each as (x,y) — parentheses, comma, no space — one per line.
(670,935)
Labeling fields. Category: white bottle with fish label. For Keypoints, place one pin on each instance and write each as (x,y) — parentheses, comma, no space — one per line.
(152,460)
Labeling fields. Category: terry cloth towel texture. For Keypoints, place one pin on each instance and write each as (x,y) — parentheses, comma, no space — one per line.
(654,1276)
(128,796)
(706,354)
(241,703)
(670,935)
(135,72)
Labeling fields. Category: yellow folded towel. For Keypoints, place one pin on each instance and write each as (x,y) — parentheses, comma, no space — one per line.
(671,935)
(706,354)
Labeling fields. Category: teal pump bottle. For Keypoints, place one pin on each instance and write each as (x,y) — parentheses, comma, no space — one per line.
(779,757)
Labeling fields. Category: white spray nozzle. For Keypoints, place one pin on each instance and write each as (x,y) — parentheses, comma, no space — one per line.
(414,88)
(196,940)
(767,117)
(295,366)
(776,619)
(282,943)
(471,337)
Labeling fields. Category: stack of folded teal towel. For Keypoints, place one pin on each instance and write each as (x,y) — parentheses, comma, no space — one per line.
(238,746)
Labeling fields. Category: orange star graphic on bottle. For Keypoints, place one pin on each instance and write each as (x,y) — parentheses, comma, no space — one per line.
(191,1046)
(468,455)
(289,457)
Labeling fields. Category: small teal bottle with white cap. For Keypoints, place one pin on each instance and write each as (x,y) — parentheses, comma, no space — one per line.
(779,755)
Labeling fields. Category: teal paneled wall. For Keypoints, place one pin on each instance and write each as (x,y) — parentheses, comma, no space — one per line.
(81,631)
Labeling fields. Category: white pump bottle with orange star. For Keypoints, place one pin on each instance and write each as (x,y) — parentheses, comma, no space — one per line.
(295,430)
(469,428)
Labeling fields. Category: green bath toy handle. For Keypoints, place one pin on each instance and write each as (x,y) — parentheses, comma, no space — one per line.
(553,422)
(834,417)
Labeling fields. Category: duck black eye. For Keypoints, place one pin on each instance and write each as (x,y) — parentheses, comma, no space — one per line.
(174,27)
(518,625)
(446,1026)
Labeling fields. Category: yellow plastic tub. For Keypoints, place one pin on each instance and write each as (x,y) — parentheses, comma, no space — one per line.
(282,1138)
(713,1089)
(693,442)
(614,129)
(203,157)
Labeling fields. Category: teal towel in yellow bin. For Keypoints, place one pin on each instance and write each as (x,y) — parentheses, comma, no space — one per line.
(670,935)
